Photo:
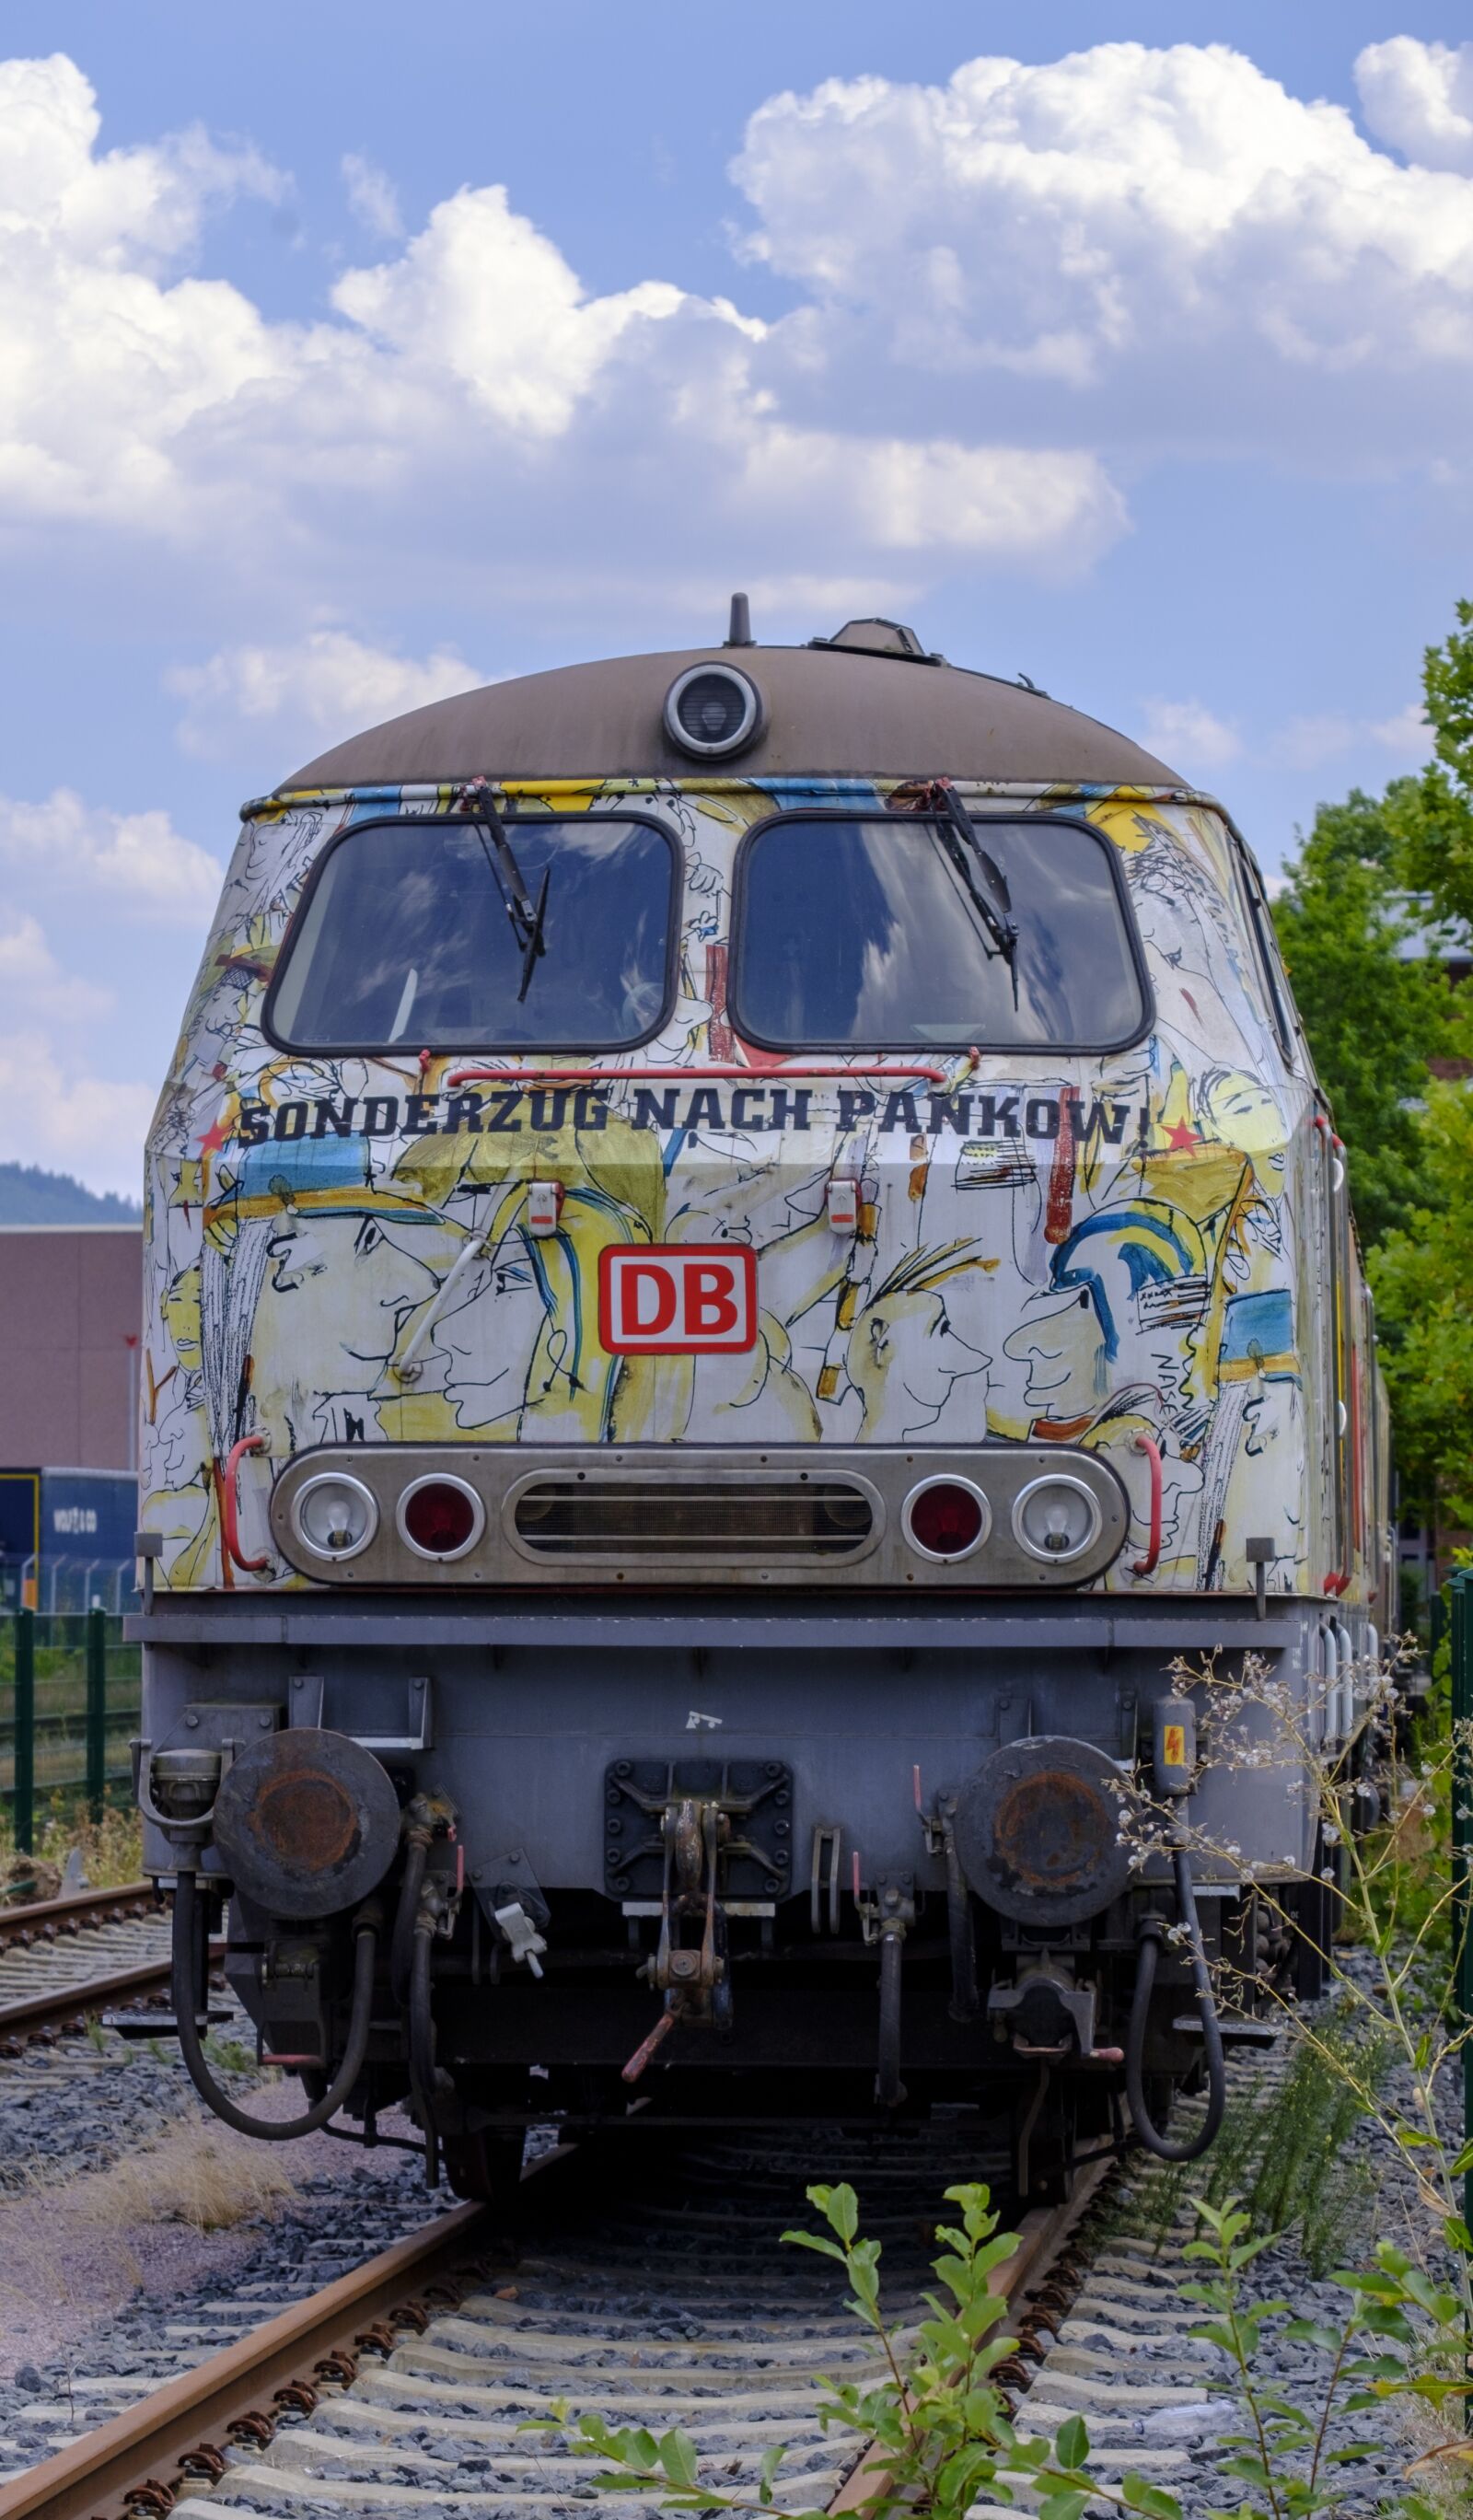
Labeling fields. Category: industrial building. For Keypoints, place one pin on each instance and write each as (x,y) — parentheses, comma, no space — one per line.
(70,1302)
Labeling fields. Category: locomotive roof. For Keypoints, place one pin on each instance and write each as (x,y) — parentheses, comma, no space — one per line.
(837,708)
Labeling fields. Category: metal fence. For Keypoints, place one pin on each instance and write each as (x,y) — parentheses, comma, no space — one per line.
(61,1587)
(70,1698)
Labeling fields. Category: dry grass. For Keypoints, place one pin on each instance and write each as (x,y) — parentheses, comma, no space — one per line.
(111,1850)
(74,2250)
(201,2176)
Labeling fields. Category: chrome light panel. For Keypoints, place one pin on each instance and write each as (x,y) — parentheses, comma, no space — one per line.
(570,1516)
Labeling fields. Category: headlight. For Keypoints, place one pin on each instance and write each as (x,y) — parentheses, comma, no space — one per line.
(1056,1519)
(946,1519)
(442,1517)
(712,711)
(335,1515)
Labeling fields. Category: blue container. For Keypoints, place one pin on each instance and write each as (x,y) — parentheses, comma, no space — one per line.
(67,1539)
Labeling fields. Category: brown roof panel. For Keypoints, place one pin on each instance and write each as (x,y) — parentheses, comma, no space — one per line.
(835,712)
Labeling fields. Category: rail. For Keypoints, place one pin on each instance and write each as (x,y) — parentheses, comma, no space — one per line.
(215,2424)
(91,2476)
(46,1921)
(66,1962)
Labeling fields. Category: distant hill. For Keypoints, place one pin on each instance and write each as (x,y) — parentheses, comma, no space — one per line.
(29,1196)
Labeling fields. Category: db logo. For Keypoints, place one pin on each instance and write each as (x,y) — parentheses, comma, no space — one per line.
(674,1301)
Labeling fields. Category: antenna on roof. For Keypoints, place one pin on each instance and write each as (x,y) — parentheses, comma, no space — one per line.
(739,629)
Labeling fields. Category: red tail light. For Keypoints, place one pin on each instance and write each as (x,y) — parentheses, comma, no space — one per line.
(440,1517)
(946,1519)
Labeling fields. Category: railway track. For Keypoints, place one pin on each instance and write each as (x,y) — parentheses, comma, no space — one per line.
(51,1920)
(403,2386)
(652,2291)
(65,1961)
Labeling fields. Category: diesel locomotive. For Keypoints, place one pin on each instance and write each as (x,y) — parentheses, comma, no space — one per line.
(746,1271)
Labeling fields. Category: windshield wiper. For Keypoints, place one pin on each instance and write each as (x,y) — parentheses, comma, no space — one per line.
(989,898)
(527,916)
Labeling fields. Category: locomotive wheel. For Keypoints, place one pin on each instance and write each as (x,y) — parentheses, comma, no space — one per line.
(485,2167)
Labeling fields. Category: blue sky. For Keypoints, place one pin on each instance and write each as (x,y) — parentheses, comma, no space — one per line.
(348,354)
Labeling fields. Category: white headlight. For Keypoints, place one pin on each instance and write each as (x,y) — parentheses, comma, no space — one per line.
(1056,1519)
(712,711)
(335,1515)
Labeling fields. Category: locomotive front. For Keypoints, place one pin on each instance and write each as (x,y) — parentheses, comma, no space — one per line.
(741,1252)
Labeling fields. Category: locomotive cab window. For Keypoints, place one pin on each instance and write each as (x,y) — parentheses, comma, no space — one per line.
(508,932)
(884,930)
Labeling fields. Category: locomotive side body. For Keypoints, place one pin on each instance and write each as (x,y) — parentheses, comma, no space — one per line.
(741,1452)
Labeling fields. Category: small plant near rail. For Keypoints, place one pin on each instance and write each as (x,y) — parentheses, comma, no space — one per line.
(1287,2153)
(1287,2455)
(938,2432)
(1388,2051)
(932,2420)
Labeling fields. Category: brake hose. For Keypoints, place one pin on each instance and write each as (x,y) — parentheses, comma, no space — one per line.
(1154,1932)
(186,1954)
(401,1950)
(425,2077)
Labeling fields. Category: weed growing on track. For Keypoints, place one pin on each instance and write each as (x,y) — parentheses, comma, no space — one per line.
(936,2429)
(1286,2457)
(111,1849)
(1287,2153)
(939,2425)
(1390,2051)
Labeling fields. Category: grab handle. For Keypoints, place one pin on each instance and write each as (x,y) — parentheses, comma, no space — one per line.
(1147,1565)
(228,1523)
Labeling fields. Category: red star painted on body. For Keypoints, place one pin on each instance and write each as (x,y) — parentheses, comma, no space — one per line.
(217,1137)
(1180,1138)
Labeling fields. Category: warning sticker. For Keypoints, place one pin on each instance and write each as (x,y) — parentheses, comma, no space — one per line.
(1174,1745)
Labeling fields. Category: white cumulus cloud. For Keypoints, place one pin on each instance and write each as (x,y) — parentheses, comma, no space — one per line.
(32,980)
(138,861)
(1407,733)
(481,296)
(1163,246)
(1308,742)
(1420,97)
(371,196)
(1187,736)
(326,684)
(495,412)
(71,1116)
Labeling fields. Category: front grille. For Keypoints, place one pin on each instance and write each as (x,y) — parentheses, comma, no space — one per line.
(598,1514)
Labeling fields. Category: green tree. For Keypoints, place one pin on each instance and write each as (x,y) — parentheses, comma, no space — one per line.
(1422,1279)
(1373,1018)
(1434,813)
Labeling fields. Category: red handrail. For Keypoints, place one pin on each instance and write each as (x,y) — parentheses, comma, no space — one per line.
(1147,1565)
(675,1073)
(228,1524)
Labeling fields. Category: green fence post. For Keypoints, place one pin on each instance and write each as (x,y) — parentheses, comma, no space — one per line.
(24,1798)
(97,1711)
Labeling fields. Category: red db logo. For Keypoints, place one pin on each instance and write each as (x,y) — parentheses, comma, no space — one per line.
(674,1301)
